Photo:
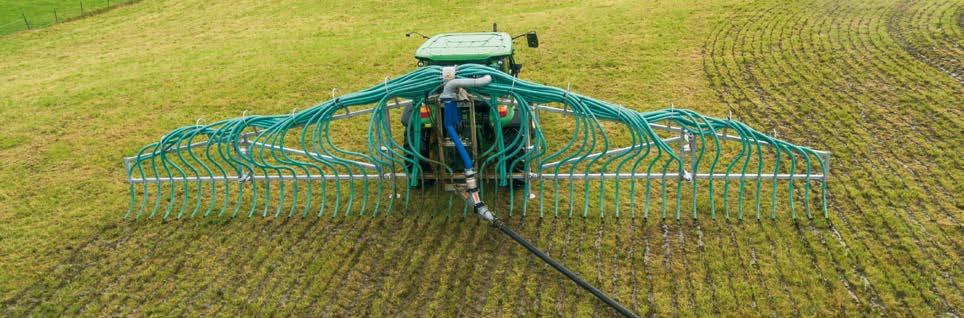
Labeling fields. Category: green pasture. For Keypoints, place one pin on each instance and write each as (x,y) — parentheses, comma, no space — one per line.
(877,83)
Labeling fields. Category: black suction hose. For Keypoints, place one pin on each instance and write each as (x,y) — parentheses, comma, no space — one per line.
(555,264)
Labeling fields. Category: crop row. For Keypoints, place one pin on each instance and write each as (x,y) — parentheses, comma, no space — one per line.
(819,69)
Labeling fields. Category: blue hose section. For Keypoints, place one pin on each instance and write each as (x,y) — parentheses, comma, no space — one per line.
(450,120)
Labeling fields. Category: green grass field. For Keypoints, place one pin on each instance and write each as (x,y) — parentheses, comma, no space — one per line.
(43,13)
(877,83)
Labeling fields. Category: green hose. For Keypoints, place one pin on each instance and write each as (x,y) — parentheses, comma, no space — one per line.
(248,163)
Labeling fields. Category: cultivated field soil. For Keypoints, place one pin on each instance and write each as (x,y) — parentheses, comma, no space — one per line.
(876,82)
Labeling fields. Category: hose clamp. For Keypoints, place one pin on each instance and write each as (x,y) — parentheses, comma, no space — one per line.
(483,212)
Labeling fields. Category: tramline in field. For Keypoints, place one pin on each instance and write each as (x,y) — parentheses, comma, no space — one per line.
(462,127)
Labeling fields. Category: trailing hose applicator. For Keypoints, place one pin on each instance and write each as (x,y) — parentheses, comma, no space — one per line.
(285,165)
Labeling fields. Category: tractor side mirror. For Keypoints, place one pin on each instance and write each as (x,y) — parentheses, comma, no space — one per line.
(532,39)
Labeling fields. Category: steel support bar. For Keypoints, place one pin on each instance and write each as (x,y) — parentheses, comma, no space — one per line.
(351,114)
(676,175)
(244,136)
(824,154)
(311,154)
(129,160)
(297,177)
(613,152)
(574,176)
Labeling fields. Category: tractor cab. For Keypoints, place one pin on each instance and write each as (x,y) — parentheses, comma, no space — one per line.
(492,49)
(486,121)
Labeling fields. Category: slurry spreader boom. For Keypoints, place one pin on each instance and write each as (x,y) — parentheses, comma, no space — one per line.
(462,127)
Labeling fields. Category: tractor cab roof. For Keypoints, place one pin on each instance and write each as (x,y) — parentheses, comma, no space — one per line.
(451,47)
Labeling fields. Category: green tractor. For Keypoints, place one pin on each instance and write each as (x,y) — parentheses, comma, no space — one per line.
(484,119)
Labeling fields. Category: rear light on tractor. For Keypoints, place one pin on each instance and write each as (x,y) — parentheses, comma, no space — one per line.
(424,112)
(503,110)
